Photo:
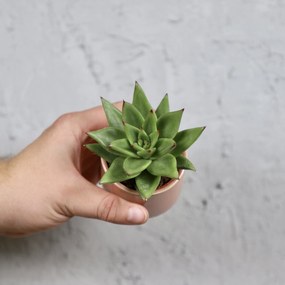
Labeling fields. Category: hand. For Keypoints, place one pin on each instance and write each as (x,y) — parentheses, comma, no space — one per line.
(54,179)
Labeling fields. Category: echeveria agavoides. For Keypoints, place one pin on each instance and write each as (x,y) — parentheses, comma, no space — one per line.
(143,143)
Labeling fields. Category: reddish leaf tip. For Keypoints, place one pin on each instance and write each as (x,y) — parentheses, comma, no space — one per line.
(102,99)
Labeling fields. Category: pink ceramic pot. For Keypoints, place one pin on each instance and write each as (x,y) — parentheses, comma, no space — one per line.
(162,199)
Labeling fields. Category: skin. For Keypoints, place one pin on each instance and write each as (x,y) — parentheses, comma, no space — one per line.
(53,179)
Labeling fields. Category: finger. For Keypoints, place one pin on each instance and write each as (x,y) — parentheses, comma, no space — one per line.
(94,118)
(93,202)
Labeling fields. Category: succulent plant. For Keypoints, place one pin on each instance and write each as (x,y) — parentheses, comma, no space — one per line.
(143,144)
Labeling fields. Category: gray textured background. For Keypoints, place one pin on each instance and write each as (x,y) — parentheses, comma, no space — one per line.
(224,61)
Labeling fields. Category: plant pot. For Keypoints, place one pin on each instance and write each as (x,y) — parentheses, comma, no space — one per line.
(162,199)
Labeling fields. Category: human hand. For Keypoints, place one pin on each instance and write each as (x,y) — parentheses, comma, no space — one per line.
(54,178)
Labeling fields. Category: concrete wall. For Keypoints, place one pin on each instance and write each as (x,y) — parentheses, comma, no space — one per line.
(224,61)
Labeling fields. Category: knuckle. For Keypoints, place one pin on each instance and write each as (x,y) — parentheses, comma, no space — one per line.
(64,120)
(108,208)
(67,123)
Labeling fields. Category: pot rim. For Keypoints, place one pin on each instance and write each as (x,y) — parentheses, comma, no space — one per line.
(158,191)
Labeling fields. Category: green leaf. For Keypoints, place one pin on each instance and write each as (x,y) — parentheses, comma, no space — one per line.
(140,101)
(132,116)
(135,165)
(101,151)
(164,166)
(114,115)
(116,172)
(147,184)
(185,139)
(153,138)
(164,146)
(122,146)
(107,135)
(184,163)
(163,107)
(132,133)
(146,153)
(168,124)
(137,147)
(143,139)
(149,124)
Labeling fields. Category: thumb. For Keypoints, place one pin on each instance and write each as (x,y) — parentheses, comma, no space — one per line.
(93,202)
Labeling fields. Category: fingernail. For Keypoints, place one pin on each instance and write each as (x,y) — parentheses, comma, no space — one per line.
(136,215)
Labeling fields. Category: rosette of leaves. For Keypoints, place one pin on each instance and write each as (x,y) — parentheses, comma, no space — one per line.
(143,144)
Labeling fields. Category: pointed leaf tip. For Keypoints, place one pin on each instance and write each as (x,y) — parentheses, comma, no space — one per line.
(163,106)
(132,115)
(184,139)
(113,114)
(184,163)
(168,123)
(140,100)
(149,124)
